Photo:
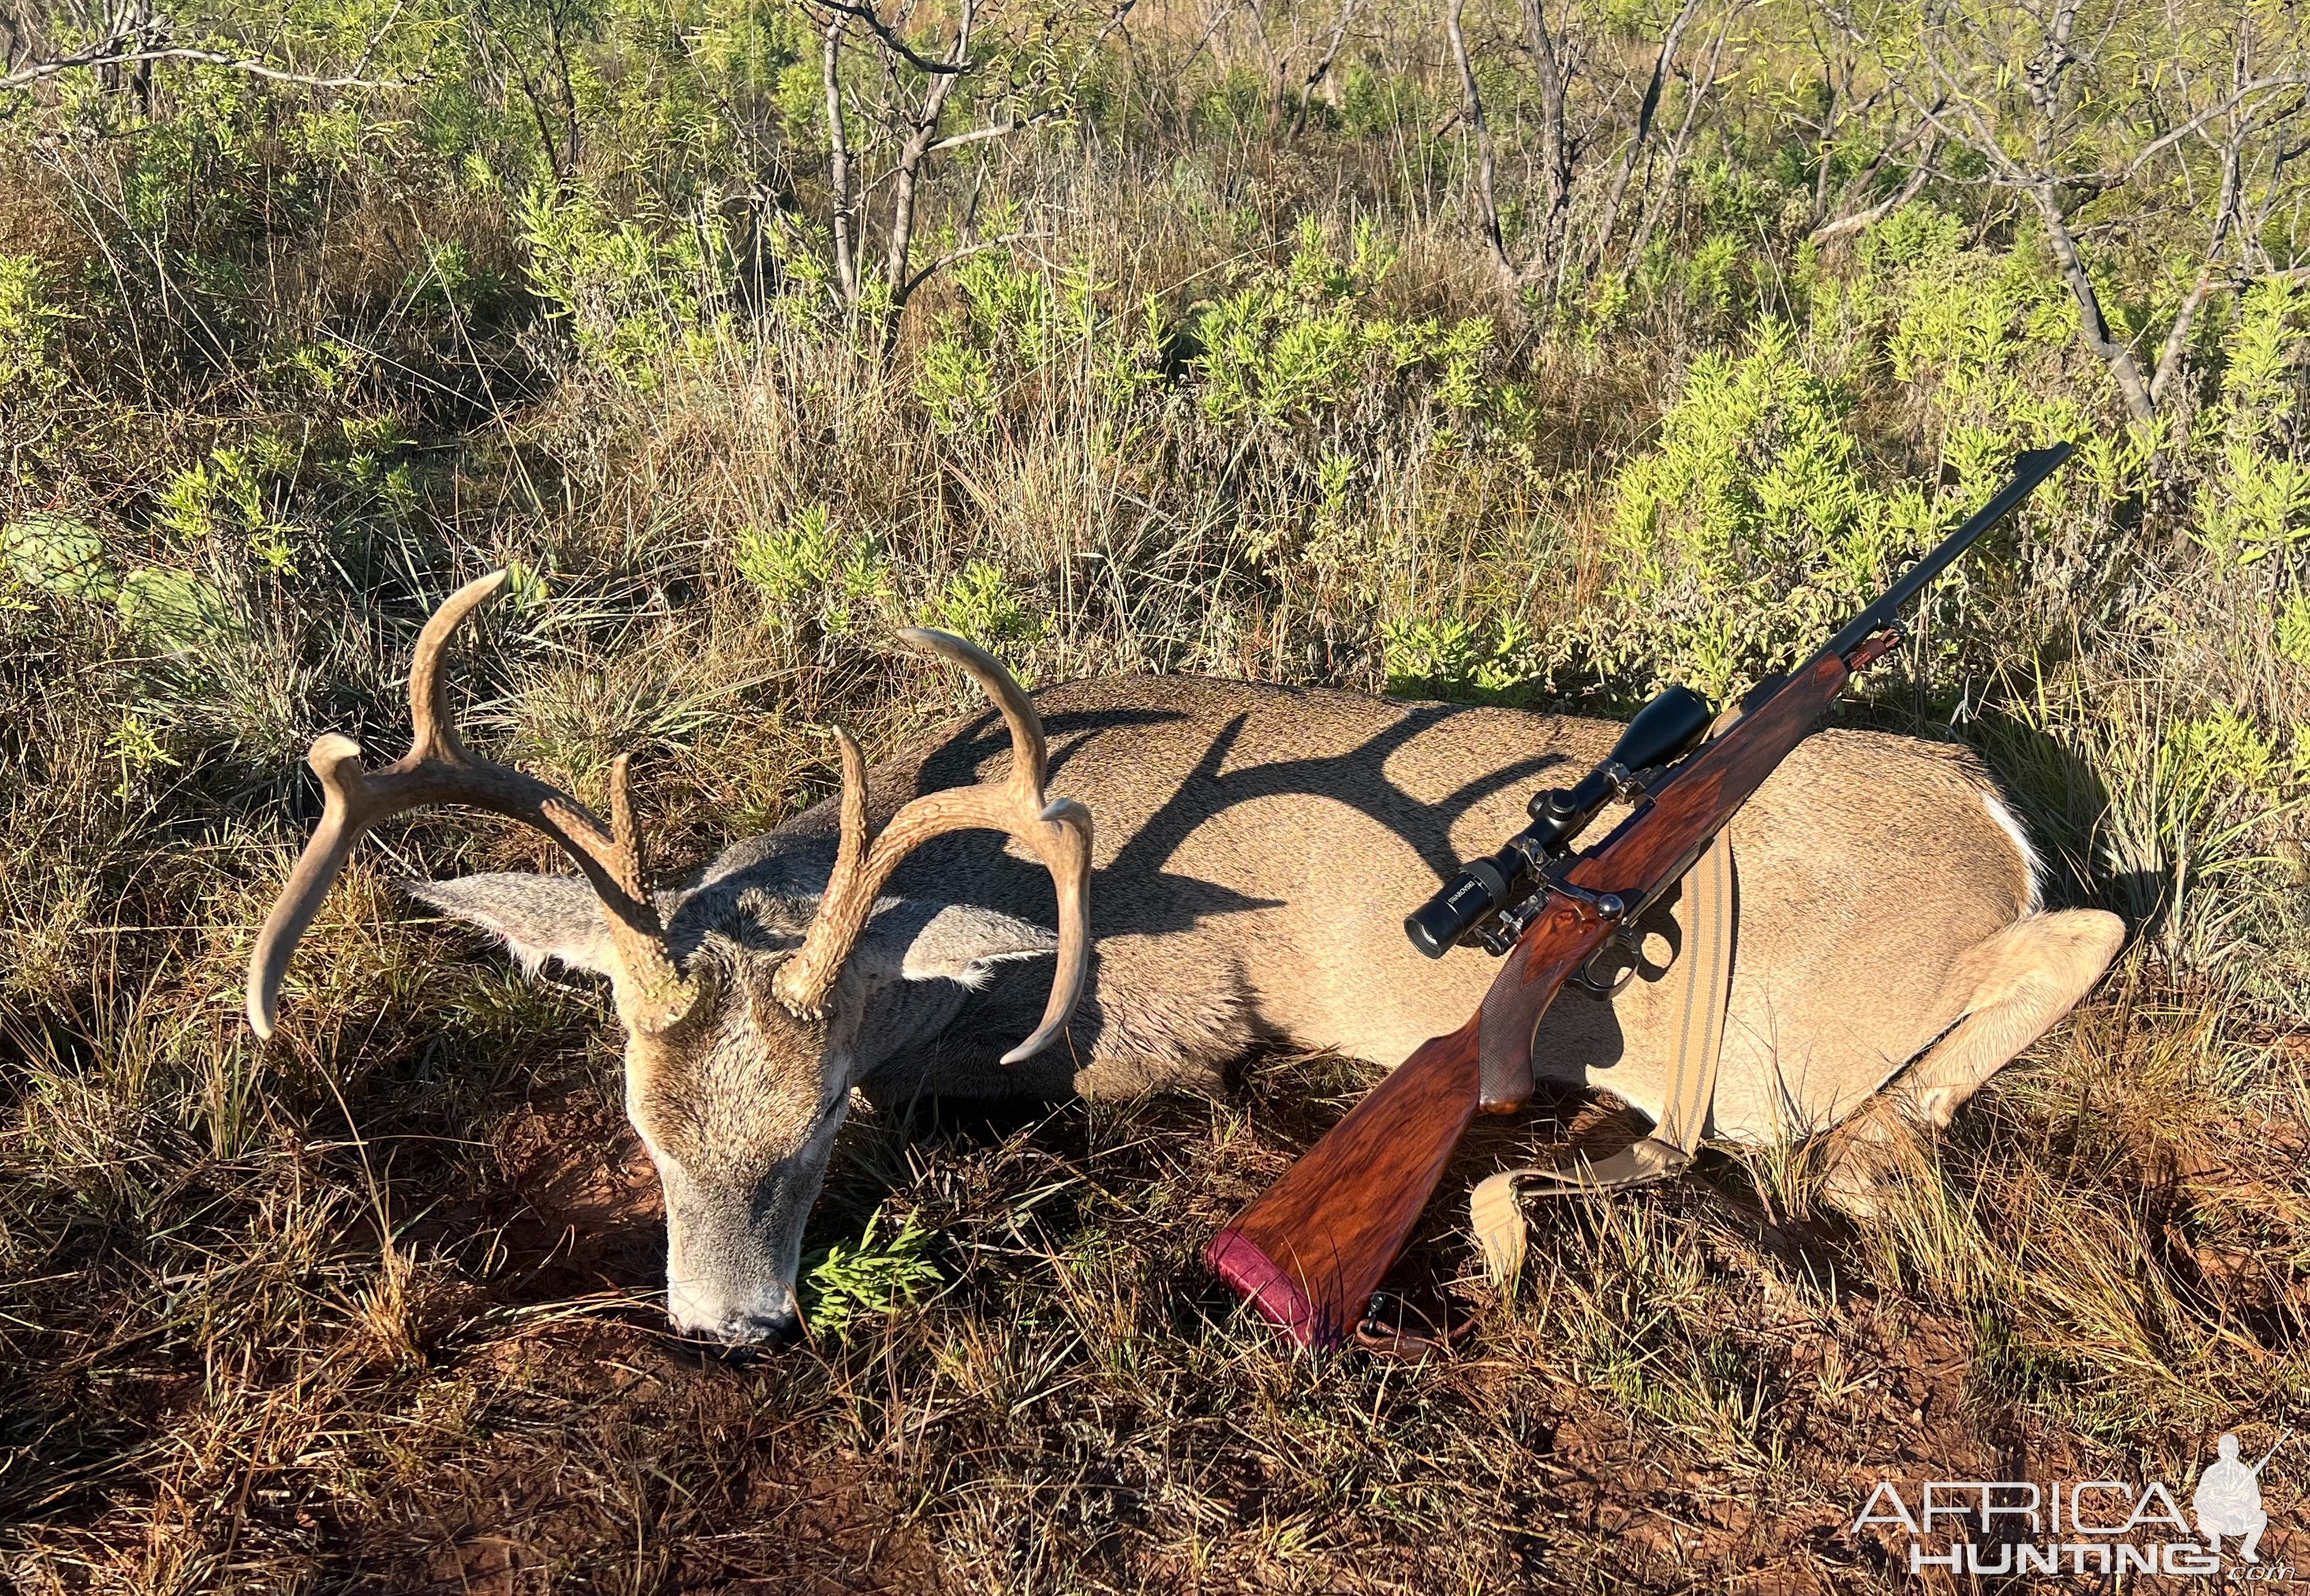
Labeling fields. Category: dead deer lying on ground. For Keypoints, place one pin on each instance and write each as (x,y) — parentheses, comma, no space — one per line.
(1256,849)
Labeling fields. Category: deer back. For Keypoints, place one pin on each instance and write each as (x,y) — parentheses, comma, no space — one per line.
(1258,847)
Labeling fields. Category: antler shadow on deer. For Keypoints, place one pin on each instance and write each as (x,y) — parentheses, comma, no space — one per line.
(1255,850)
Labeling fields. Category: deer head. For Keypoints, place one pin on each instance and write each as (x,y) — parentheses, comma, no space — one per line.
(750,1010)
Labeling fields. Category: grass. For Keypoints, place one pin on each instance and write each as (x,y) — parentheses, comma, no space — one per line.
(1695,1381)
(372,1308)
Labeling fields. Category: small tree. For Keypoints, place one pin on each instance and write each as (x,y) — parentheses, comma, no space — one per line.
(2152,123)
(893,90)
(1599,84)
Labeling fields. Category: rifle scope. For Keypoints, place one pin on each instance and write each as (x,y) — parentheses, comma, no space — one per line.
(1665,730)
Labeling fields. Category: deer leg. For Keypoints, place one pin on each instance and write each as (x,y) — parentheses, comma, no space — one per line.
(2015,986)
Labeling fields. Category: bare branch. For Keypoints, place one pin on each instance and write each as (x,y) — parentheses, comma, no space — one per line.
(891,40)
(1680,145)
(2175,356)
(908,165)
(1971,121)
(954,257)
(1873,214)
(1324,66)
(1107,30)
(1474,105)
(1220,13)
(2093,326)
(111,53)
(1877,162)
(1617,194)
(837,144)
(992,130)
(1552,55)
(2173,135)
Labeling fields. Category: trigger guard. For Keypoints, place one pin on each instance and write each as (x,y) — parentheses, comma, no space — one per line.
(1605,990)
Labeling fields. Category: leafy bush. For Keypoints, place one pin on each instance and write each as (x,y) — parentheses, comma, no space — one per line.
(806,571)
(635,295)
(28,323)
(978,602)
(2254,502)
(1753,531)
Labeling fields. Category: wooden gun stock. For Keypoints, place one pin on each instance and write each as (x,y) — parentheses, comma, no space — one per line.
(1309,1253)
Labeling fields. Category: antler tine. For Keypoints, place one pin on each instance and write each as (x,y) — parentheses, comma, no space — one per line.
(1058,834)
(850,852)
(652,992)
(625,836)
(1028,756)
(347,811)
(434,731)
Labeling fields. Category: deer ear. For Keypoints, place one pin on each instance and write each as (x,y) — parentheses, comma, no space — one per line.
(955,942)
(538,917)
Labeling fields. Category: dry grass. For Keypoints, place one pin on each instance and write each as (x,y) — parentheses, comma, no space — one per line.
(371,1308)
(1697,1384)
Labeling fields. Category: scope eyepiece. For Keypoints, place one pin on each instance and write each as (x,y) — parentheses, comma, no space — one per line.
(1481,888)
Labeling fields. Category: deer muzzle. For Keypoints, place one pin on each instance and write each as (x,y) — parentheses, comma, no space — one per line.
(733,1247)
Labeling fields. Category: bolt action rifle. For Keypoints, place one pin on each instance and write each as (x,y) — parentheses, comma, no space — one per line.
(1310,1253)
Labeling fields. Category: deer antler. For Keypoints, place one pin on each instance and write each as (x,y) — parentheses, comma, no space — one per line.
(653,995)
(1058,833)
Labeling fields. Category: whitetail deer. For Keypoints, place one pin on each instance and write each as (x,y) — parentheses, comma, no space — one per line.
(1256,849)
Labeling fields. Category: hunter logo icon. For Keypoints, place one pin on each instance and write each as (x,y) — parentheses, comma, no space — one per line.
(2229,1498)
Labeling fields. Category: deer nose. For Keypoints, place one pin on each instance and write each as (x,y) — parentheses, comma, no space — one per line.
(746,1336)
(761,1316)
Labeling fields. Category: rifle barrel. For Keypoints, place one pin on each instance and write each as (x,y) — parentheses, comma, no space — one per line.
(2030,467)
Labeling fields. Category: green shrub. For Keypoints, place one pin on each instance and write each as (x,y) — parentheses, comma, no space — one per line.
(805,570)
(956,382)
(2253,501)
(1302,342)
(29,323)
(2291,630)
(634,292)
(978,602)
(1451,658)
(845,1286)
(224,498)
(1752,530)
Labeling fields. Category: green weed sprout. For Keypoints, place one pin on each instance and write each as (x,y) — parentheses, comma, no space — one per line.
(845,1286)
